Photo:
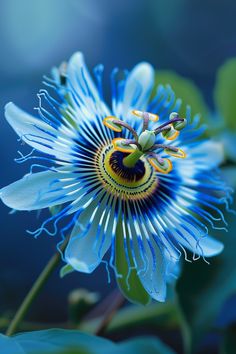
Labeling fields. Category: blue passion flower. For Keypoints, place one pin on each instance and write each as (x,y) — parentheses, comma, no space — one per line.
(137,167)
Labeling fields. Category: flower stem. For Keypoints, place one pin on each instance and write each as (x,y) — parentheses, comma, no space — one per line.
(34,291)
(114,305)
(131,159)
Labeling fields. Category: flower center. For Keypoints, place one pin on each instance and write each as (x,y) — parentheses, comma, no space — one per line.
(130,174)
(134,183)
(145,143)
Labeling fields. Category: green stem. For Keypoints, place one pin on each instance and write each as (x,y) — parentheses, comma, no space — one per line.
(131,159)
(112,308)
(34,291)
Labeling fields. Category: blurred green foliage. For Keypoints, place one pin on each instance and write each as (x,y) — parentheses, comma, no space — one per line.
(154,316)
(186,90)
(221,120)
(225,93)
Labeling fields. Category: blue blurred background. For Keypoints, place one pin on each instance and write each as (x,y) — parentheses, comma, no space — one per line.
(192,38)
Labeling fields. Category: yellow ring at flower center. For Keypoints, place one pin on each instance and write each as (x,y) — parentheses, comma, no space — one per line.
(117,183)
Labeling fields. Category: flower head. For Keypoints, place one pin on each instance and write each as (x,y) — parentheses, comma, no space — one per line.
(137,169)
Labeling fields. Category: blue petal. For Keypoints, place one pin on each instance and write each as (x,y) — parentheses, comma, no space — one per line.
(173,269)
(210,153)
(40,190)
(209,246)
(149,257)
(138,88)
(37,133)
(155,278)
(83,91)
(189,235)
(136,94)
(91,235)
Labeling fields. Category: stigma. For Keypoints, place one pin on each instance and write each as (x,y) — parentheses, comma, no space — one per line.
(146,144)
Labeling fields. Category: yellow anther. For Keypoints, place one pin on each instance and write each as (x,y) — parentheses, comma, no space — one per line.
(180,153)
(171,134)
(140,114)
(119,145)
(165,168)
(109,122)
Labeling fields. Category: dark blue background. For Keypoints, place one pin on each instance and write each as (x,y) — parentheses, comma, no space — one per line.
(191,37)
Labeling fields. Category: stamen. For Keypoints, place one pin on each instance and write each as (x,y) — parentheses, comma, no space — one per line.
(151,116)
(171,134)
(115,124)
(145,143)
(163,146)
(165,129)
(123,145)
(159,164)
(111,123)
(145,121)
(146,118)
(179,153)
(171,121)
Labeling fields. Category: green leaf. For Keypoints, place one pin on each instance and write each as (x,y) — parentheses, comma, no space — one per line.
(202,289)
(58,341)
(184,89)
(229,341)
(66,269)
(54,341)
(133,290)
(225,91)
(228,139)
(155,316)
